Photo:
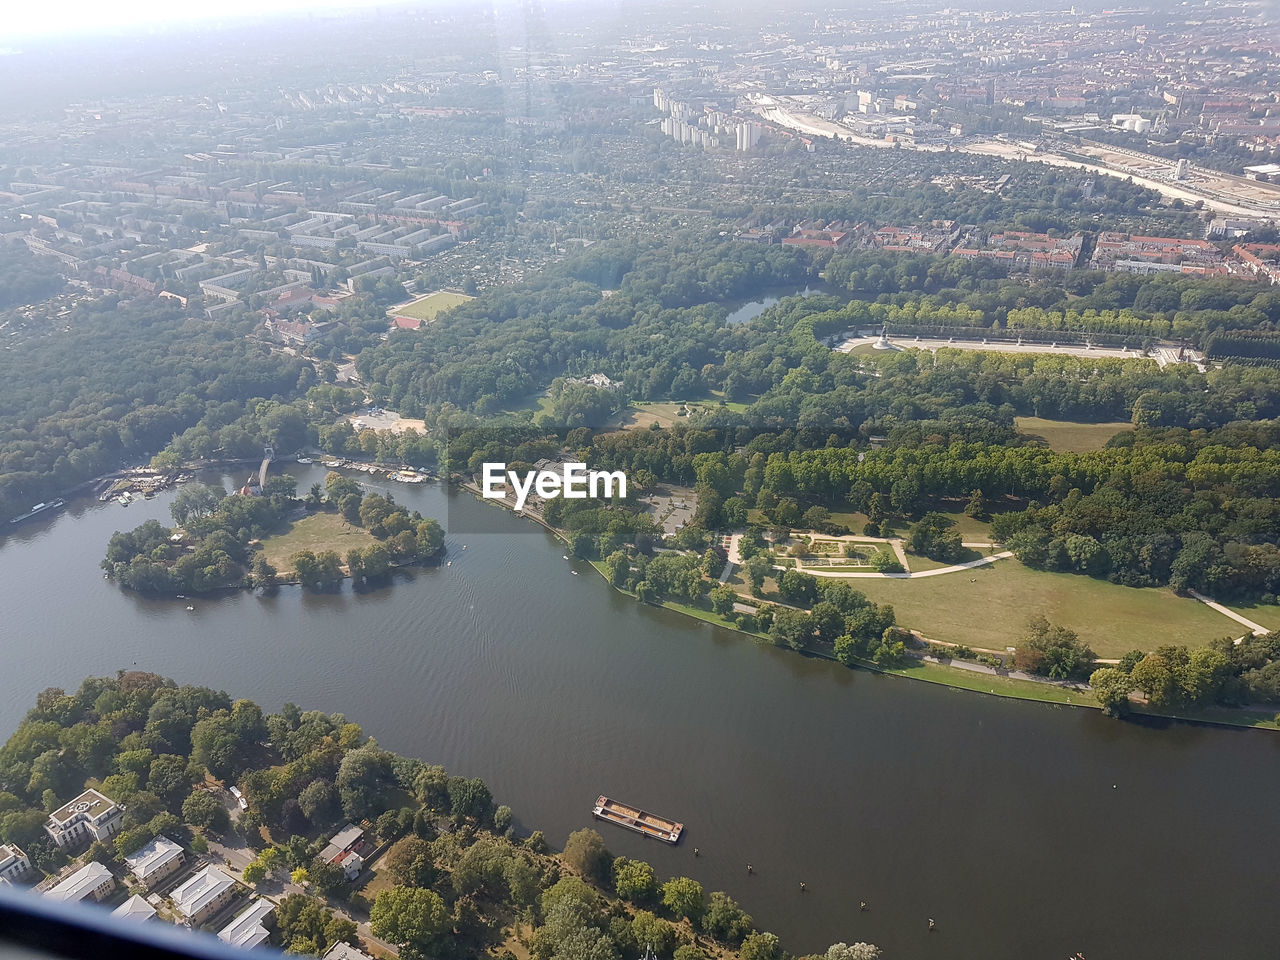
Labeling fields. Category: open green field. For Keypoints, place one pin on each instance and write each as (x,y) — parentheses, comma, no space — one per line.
(1267,615)
(667,413)
(319,531)
(428,307)
(1070,436)
(989,607)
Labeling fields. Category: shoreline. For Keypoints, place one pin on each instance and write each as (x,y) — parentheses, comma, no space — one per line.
(956,678)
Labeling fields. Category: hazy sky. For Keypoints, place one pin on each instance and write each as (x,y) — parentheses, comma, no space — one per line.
(26,19)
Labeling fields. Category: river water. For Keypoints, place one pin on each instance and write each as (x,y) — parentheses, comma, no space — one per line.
(1024,830)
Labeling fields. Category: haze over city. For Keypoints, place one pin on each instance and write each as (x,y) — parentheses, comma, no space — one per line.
(920,367)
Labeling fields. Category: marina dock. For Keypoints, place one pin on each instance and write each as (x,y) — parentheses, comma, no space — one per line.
(648,824)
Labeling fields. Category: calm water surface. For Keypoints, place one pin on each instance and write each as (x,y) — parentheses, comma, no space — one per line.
(751,309)
(1025,831)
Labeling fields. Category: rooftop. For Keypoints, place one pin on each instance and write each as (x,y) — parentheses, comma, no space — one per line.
(135,908)
(345,951)
(91,803)
(247,930)
(152,857)
(81,883)
(8,852)
(201,890)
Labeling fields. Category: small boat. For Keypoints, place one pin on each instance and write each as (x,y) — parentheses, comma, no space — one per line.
(574,572)
(565,557)
(189,607)
(305,460)
(448,563)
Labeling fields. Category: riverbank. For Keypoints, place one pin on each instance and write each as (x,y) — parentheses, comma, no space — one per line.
(972,677)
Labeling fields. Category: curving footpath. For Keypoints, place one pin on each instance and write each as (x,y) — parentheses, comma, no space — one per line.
(954,568)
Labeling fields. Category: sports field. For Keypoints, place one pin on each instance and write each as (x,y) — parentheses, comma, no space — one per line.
(427,308)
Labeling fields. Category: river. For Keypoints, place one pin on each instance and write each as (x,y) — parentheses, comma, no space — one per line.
(1024,830)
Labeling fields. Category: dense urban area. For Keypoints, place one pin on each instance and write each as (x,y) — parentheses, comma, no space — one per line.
(937,343)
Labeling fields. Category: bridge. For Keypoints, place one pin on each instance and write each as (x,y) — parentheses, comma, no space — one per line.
(268,454)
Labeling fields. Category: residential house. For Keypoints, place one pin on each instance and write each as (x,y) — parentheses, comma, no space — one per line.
(14,864)
(135,909)
(345,951)
(248,930)
(90,816)
(203,895)
(351,864)
(157,861)
(342,843)
(91,882)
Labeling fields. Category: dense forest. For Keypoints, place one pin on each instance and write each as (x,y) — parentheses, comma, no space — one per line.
(461,882)
(116,385)
(24,277)
(1185,500)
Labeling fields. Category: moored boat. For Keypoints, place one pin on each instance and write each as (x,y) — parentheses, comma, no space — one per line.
(55,504)
(633,818)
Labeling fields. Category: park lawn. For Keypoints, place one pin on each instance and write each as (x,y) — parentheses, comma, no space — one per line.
(856,521)
(535,403)
(429,307)
(665,413)
(1266,615)
(1070,436)
(317,532)
(734,405)
(989,607)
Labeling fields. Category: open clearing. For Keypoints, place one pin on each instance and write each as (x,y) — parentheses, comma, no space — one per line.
(317,532)
(386,420)
(426,308)
(989,607)
(667,413)
(1069,436)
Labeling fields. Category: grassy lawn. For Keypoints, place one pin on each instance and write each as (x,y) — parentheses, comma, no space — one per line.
(666,413)
(319,531)
(1267,616)
(987,683)
(428,307)
(990,606)
(534,403)
(1068,435)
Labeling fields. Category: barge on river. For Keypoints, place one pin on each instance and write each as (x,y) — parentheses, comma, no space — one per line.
(638,820)
(40,508)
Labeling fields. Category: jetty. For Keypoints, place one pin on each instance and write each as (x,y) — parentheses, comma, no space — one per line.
(641,822)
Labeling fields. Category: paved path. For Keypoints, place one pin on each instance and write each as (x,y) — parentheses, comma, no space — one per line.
(955,568)
(1258,629)
(1012,674)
